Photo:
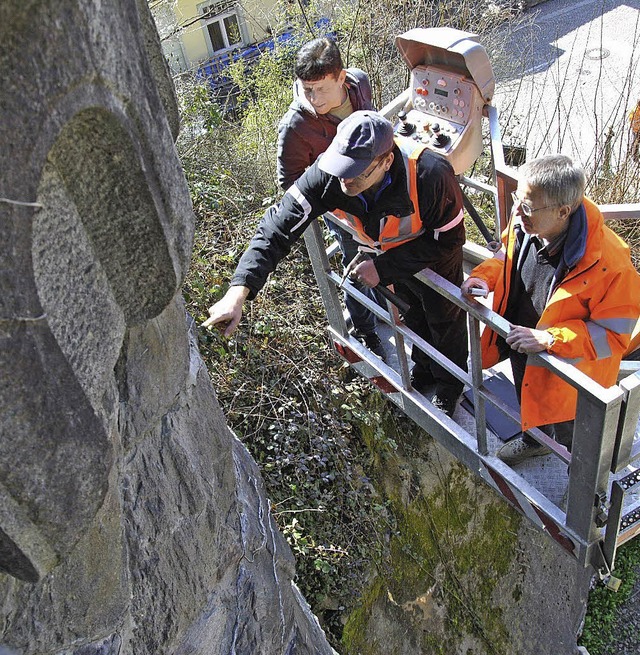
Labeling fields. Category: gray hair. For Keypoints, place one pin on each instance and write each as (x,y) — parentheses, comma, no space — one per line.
(556,176)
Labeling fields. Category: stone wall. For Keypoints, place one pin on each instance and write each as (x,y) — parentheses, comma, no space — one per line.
(467,575)
(131,519)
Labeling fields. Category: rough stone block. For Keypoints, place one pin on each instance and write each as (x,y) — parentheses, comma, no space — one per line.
(131,519)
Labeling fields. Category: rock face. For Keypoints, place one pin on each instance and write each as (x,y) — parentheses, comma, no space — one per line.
(131,519)
(466,573)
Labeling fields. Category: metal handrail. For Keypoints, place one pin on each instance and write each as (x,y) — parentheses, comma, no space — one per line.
(578,528)
(603,439)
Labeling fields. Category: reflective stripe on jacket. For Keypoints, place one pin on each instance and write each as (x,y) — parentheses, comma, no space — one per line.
(593,306)
(395,230)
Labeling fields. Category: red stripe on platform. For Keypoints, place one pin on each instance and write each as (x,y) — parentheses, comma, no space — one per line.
(550,526)
(554,531)
(383,384)
(350,355)
(504,488)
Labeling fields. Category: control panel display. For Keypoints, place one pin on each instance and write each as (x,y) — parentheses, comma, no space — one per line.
(442,94)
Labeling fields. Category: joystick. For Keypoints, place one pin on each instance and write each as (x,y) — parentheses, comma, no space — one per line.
(440,139)
(405,128)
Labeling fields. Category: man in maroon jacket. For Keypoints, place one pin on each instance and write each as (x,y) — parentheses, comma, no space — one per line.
(324,94)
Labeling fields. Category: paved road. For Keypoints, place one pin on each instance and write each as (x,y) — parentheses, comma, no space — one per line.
(577,74)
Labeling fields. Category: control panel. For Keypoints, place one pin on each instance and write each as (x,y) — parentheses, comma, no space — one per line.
(442,94)
(446,115)
(439,135)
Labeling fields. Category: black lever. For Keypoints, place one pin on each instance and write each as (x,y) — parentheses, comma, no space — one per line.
(405,128)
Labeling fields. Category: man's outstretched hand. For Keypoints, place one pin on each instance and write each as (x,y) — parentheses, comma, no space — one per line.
(227,312)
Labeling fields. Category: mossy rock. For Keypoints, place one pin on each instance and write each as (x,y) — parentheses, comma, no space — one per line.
(453,541)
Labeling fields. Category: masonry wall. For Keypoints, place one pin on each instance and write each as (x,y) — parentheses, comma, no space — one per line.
(131,519)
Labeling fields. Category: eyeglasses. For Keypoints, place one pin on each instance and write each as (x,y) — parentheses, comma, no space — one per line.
(365,176)
(527,210)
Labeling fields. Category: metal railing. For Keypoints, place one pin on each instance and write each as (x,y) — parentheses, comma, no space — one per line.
(593,524)
(604,426)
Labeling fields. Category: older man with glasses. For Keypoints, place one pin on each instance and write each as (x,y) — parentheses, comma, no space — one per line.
(566,284)
(363,179)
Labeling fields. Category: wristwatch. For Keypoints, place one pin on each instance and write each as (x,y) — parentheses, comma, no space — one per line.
(550,344)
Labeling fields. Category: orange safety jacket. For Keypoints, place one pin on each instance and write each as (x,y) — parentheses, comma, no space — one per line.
(394,230)
(591,313)
(634,119)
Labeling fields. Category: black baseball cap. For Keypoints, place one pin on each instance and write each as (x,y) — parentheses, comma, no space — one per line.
(361,137)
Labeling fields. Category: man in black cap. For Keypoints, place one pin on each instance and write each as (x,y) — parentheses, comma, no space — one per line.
(403,209)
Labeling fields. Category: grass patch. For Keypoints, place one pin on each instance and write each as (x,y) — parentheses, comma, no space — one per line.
(600,622)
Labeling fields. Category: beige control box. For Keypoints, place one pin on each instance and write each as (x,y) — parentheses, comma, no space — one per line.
(451,81)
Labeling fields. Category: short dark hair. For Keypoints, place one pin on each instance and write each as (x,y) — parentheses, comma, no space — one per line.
(317,59)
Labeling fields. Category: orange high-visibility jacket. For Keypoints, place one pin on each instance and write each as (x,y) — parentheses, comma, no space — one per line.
(396,230)
(591,313)
(634,119)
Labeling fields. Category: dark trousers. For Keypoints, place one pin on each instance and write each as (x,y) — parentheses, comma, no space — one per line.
(438,321)
(561,432)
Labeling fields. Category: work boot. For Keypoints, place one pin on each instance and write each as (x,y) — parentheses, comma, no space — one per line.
(445,402)
(421,378)
(374,344)
(517,450)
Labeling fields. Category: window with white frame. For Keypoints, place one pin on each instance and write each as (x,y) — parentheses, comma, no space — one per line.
(221,24)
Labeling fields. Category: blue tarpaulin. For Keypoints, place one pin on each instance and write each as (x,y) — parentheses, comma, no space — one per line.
(214,69)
